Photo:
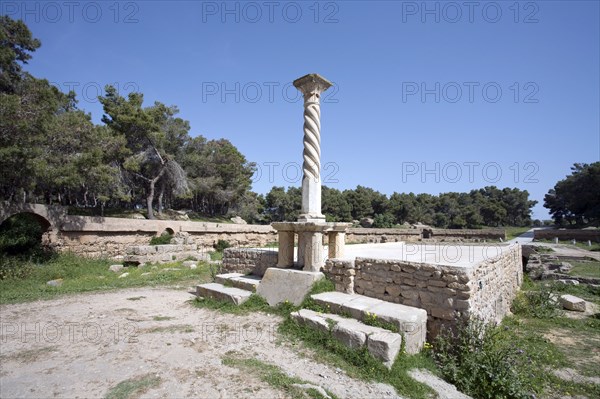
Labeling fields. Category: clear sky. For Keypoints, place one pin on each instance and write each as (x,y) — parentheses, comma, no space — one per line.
(429,96)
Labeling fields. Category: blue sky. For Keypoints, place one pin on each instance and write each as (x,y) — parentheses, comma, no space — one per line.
(429,96)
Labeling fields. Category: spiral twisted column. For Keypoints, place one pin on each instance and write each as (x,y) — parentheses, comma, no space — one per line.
(312,86)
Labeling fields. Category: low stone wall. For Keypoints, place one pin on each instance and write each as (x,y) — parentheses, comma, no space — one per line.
(110,237)
(447,293)
(466,235)
(567,234)
(141,254)
(248,260)
(363,235)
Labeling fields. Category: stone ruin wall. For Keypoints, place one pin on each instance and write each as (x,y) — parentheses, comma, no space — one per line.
(567,235)
(447,293)
(364,235)
(248,261)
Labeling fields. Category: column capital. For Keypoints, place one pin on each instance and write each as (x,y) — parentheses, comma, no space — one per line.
(313,83)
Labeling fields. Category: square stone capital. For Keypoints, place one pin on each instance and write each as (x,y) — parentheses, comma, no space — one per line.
(312,83)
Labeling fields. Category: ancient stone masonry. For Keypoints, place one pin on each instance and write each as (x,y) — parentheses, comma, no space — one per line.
(248,261)
(447,293)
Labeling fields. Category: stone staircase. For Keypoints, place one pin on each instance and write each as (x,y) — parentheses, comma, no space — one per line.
(411,322)
(234,288)
(344,318)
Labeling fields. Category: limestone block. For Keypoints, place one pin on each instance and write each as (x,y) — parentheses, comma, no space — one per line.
(571,302)
(384,346)
(222,293)
(279,285)
(311,318)
(393,290)
(349,336)
(115,268)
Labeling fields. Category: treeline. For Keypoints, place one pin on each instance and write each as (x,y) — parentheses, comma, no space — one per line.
(488,206)
(51,151)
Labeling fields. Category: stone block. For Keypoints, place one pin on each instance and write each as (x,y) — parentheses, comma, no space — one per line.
(385,346)
(311,319)
(115,268)
(279,285)
(350,337)
(571,302)
(410,321)
(220,292)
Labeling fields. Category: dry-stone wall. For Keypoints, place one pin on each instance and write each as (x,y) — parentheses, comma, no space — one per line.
(248,261)
(447,293)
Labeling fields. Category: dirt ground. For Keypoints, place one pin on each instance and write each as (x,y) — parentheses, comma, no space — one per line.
(84,345)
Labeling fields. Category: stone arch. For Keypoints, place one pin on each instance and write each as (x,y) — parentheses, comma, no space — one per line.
(168,231)
(44,223)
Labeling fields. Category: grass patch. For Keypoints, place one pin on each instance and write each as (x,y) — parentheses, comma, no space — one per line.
(88,275)
(162,318)
(183,328)
(273,376)
(554,341)
(254,304)
(514,232)
(133,387)
(28,356)
(582,245)
(585,269)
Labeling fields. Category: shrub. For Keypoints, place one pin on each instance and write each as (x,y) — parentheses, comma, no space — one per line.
(21,235)
(221,245)
(541,303)
(483,361)
(12,267)
(163,239)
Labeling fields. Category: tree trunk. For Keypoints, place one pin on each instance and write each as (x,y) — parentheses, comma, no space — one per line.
(161,197)
(150,197)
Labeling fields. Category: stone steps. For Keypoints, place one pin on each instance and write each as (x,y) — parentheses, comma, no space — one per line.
(238,280)
(218,291)
(382,344)
(411,322)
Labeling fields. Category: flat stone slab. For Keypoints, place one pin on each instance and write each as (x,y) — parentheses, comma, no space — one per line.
(220,292)
(242,281)
(382,344)
(280,285)
(571,302)
(412,322)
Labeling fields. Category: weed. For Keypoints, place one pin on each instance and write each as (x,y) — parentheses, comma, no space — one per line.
(133,387)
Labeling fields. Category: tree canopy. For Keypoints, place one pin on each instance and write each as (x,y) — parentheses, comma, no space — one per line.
(576,199)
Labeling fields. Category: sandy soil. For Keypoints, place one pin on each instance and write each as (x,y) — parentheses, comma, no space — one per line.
(84,345)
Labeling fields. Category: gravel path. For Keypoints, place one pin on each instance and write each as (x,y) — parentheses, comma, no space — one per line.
(82,346)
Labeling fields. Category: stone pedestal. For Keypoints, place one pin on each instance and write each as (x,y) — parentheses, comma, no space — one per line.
(310,243)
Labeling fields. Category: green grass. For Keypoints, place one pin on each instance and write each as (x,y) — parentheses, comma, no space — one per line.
(133,387)
(576,342)
(88,275)
(273,376)
(513,232)
(585,269)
